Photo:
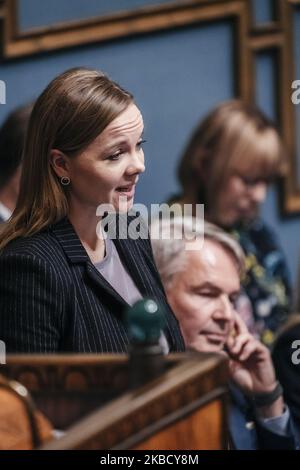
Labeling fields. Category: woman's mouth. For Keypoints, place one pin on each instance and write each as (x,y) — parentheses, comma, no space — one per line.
(127,191)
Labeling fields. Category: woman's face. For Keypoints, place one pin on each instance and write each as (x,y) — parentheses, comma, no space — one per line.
(239,198)
(107,171)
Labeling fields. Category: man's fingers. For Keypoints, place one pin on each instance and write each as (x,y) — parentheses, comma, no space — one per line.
(239,343)
(240,325)
(248,350)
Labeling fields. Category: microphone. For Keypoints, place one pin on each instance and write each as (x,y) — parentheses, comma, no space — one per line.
(145,321)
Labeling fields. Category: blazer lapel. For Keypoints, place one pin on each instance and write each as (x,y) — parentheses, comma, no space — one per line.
(76,254)
(101,282)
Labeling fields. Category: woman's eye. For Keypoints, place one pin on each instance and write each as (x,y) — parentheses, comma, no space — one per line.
(115,156)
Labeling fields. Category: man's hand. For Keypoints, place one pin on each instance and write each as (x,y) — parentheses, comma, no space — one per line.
(251,367)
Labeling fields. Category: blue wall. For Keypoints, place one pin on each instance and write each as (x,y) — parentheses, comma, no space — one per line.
(262,11)
(176,77)
(34,13)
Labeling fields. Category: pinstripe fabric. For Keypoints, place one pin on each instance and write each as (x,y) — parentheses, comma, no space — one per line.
(52,298)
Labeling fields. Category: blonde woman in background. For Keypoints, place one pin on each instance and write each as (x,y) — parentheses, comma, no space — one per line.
(228,164)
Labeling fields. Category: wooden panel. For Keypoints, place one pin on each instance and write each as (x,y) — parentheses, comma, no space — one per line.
(191,384)
(178,14)
(271,24)
(36,13)
(22,427)
(280,42)
(291,199)
(67,387)
(202,430)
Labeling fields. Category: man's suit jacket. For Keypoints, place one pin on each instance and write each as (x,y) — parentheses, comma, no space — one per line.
(247,433)
(53,299)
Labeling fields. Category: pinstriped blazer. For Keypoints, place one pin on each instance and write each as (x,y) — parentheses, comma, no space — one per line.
(53,299)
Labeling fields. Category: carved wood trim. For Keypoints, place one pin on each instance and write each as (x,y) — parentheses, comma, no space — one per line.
(144,20)
(139,440)
(151,407)
(279,41)
(269,27)
(291,184)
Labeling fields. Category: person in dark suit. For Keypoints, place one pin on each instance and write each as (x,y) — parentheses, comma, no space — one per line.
(64,284)
(202,282)
(286,357)
(12,137)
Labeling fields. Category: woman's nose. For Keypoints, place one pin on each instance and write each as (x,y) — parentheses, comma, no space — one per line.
(137,165)
(259,192)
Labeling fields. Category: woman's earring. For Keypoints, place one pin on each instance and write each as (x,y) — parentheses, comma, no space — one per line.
(65,180)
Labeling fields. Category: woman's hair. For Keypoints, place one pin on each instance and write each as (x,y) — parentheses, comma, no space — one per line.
(70,113)
(169,248)
(235,135)
(12,138)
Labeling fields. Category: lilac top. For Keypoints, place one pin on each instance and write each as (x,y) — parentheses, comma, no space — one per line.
(113,270)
